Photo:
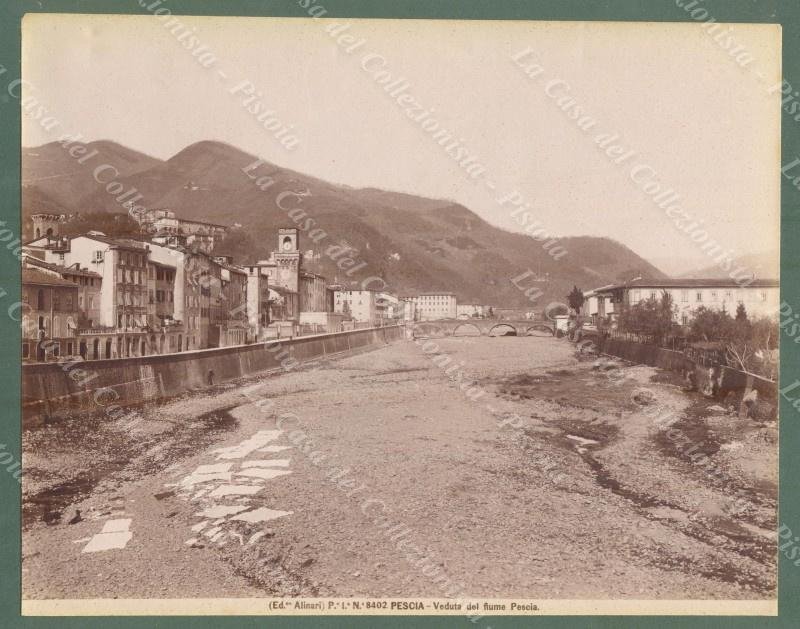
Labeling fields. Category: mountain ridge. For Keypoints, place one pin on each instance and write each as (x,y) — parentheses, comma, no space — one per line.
(417,244)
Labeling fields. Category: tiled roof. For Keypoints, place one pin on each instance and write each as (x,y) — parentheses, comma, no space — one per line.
(58,268)
(35,276)
(125,243)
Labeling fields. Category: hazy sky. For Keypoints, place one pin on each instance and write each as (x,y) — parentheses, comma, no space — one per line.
(707,127)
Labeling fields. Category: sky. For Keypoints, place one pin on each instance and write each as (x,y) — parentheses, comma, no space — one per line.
(689,117)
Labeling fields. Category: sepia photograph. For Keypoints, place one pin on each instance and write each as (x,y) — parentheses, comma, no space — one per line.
(327,316)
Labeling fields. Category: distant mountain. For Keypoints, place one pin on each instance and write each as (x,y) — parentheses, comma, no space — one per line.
(61,177)
(414,243)
(765,266)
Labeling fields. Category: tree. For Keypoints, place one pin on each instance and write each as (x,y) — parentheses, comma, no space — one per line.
(711,325)
(751,346)
(575,299)
(742,327)
(741,312)
(665,317)
(641,318)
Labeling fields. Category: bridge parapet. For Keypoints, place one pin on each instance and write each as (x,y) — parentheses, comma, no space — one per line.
(480,327)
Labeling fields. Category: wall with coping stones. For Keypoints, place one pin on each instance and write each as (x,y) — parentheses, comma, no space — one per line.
(52,390)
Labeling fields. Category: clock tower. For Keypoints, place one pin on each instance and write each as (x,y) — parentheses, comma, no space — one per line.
(288,241)
(288,258)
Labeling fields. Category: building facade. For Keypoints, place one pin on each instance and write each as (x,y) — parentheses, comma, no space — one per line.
(233,325)
(361,305)
(49,315)
(760,297)
(432,306)
(313,293)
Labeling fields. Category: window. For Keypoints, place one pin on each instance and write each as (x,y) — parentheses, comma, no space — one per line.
(728,294)
(763,295)
(713,295)
(685,319)
(684,295)
(26,350)
(40,300)
(653,294)
(56,301)
(637,296)
(699,296)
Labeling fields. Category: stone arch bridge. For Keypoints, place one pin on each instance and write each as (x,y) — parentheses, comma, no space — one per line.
(480,327)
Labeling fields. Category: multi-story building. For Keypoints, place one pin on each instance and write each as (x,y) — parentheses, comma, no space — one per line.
(122,264)
(198,235)
(390,304)
(160,294)
(257,301)
(313,293)
(49,315)
(760,297)
(167,309)
(431,306)
(88,283)
(233,325)
(362,305)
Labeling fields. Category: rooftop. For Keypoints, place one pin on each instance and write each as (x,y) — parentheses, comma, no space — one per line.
(690,283)
(40,278)
(73,269)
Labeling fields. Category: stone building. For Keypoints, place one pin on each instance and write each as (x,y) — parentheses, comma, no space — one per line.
(47,225)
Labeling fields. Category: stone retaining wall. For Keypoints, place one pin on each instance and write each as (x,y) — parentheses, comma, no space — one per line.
(54,390)
(732,379)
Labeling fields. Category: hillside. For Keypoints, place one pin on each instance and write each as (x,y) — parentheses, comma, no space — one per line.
(59,176)
(414,243)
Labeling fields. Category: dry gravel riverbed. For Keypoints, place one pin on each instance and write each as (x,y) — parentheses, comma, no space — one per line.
(376,475)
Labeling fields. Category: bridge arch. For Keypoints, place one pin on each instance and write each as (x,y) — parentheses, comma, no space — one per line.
(428,330)
(504,329)
(540,329)
(467,329)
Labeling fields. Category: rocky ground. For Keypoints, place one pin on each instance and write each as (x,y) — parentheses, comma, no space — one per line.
(489,467)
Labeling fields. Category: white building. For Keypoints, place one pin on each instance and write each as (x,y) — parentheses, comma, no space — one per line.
(121,263)
(431,306)
(391,305)
(362,305)
(760,297)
